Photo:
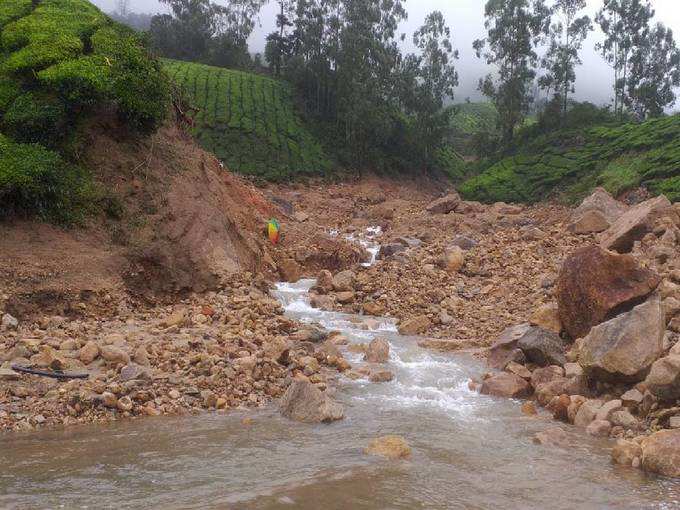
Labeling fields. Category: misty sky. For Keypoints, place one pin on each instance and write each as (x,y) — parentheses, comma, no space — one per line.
(466,19)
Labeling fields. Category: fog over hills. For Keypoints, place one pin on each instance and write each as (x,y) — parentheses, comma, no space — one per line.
(466,19)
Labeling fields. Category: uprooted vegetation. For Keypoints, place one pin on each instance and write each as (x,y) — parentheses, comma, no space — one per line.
(249,122)
(572,162)
(62,61)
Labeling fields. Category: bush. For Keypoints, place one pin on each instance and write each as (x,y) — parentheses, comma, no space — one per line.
(35,180)
(35,117)
(9,90)
(13,9)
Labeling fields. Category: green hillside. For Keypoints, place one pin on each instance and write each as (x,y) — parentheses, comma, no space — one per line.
(60,61)
(249,122)
(573,162)
(472,118)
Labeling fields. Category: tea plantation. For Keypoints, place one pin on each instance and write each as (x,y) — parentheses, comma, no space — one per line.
(249,122)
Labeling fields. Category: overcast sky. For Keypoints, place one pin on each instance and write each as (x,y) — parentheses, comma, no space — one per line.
(466,19)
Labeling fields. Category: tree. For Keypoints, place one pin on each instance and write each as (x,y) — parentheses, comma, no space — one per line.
(122,7)
(278,42)
(566,35)
(625,24)
(514,28)
(654,72)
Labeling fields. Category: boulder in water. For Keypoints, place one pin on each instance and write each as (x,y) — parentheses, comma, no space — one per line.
(504,350)
(391,447)
(507,385)
(378,351)
(305,403)
(661,453)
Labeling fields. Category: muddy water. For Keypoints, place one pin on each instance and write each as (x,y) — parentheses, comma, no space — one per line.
(469,451)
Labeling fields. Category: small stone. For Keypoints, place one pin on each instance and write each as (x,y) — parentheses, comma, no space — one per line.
(572,370)
(553,436)
(674,422)
(391,447)
(174,394)
(604,412)
(529,408)
(379,376)
(506,385)
(631,398)
(114,354)
(124,403)
(453,259)
(517,369)
(109,400)
(9,322)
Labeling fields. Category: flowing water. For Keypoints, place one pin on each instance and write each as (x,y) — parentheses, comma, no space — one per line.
(469,451)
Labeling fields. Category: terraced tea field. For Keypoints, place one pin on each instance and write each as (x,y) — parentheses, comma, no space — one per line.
(249,122)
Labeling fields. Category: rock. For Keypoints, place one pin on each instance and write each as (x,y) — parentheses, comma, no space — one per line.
(632,225)
(133,371)
(623,418)
(572,370)
(414,325)
(109,400)
(589,223)
(114,354)
(632,398)
(444,205)
(378,376)
(344,281)
(547,317)
(674,422)
(553,436)
(124,404)
(277,349)
(463,242)
(7,374)
(9,322)
(547,391)
(301,216)
(504,349)
(575,404)
(391,447)
(453,259)
(559,406)
(625,452)
(387,250)
(599,428)
(586,413)
(141,356)
(517,369)
(604,412)
(506,385)
(345,297)
(664,378)
(378,351)
(593,283)
(661,453)
(624,348)
(542,347)
(177,318)
(324,282)
(323,302)
(546,374)
(529,408)
(373,308)
(601,201)
(289,270)
(88,352)
(304,402)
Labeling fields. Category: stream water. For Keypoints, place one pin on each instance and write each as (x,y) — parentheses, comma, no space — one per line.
(469,451)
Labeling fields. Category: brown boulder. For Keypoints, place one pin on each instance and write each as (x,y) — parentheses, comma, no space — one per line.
(414,325)
(602,202)
(344,281)
(634,224)
(588,223)
(504,350)
(378,351)
(547,317)
(378,376)
(594,284)
(324,282)
(445,204)
(507,385)
(542,347)
(624,348)
(661,453)
(304,402)
(625,452)
(664,378)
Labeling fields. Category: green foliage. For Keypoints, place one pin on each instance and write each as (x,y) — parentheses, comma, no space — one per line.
(472,118)
(13,9)
(35,117)
(571,162)
(451,163)
(9,90)
(35,180)
(249,122)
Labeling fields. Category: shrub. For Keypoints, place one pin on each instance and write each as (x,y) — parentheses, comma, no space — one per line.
(9,90)
(80,82)
(13,9)
(35,117)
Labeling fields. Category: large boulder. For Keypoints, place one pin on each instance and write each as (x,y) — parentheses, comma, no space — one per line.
(445,204)
(594,284)
(624,348)
(542,347)
(507,385)
(378,351)
(344,281)
(589,223)
(504,350)
(661,453)
(304,402)
(602,202)
(634,224)
(664,378)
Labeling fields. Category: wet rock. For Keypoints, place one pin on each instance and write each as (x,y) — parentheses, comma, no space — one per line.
(344,281)
(547,317)
(553,436)
(594,284)
(529,408)
(453,259)
(624,348)
(379,376)
(661,453)
(373,308)
(634,224)
(517,369)
(559,406)
(391,447)
(506,385)
(387,250)
(345,297)
(546,374)
(304,402)
(547,391)
(378,351)
(289,270)
(323,302)
(575,404)
(664,377)
(590,222)
(542,347)
(414,326)
(625,452)
(445,204)
(324,282)
(88,352)
(504,350)
(587,412)
(599,428)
